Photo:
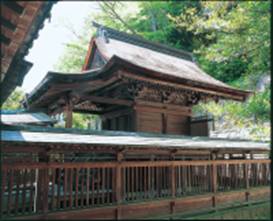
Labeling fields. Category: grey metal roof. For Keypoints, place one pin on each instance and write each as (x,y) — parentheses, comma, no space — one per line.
(130,139)
(26,118)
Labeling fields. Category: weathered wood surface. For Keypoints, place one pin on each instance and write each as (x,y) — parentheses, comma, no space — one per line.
(155,208)
(49,187)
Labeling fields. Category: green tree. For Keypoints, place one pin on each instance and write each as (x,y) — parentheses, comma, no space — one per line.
(13,101)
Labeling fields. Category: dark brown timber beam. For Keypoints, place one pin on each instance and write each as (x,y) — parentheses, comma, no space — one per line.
(5,39)
(107,100)
(6,23)
(14,6)
(69,114)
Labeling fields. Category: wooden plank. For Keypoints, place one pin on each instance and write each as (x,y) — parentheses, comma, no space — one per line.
(24,191)
(14,6)
(93,186)
(82,187)
(18,179)
(32,181)
(3,188)
(152,104)
(87,185)
(133,183)
(173,181)
(70,188)
(129,164)
(11,173)
(103,185)
(108,185)
(214,177)
(69,114)
(65,188)
(45,190)
(118,184)
(107,100)
(128,183)
(140,178)
(137,182)
(53,177)
(98,186)
(145,182)
(113,181)
(77,188)
(59,188)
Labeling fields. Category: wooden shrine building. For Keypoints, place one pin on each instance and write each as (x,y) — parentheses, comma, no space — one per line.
(133,84)
(149,158)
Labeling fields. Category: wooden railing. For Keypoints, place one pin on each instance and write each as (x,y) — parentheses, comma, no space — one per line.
(47,187)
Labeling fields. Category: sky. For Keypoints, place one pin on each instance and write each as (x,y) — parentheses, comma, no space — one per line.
(50,44)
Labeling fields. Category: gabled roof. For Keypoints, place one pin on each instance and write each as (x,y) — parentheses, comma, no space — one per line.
(143,59)
(151,56)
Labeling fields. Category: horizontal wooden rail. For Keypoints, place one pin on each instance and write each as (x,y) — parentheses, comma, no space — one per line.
(129,164)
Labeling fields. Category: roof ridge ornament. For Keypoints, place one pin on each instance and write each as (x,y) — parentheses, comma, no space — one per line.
(101,32)
(142,42)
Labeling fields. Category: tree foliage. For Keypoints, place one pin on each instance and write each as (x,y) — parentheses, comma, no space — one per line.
(13,101)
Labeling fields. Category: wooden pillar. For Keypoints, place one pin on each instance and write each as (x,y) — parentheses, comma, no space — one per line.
(118,185)
(42,185)
(173,189)
(246,167)
(68,114)
(164,117)
(213,179)
(173,183)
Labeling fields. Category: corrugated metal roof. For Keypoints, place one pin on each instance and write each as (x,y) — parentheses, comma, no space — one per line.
(131,139)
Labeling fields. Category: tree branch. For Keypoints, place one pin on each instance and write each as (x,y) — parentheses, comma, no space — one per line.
(109,7)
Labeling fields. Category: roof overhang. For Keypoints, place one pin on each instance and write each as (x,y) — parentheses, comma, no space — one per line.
(55,84)
(20,23)
(119,139)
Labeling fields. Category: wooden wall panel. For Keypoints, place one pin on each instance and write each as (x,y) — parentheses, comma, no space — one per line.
(148,121)
(122,122)
(177,125)
(154,119)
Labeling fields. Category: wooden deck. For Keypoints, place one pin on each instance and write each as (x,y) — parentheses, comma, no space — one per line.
(128,189)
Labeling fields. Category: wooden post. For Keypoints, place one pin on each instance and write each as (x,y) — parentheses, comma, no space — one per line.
(246,165)
(173,176)
(118,184)
(69,114)
(213,179)
(173,182)
(42,185)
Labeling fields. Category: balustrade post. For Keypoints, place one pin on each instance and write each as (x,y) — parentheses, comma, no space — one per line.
(118,185)
(42,185)
(246,165)
(173,189)
(173,183)
(213,179)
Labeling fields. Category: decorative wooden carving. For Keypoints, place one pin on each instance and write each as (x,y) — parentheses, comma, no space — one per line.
(141,90)
(88,106)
